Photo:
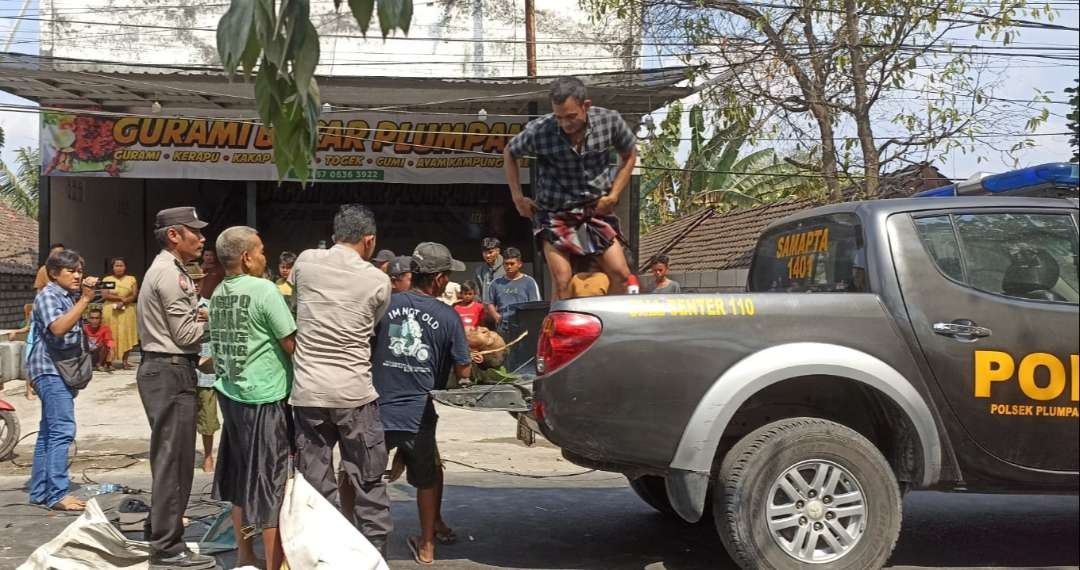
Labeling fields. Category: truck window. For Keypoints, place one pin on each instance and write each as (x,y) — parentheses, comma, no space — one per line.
(821,254)
(1026,256)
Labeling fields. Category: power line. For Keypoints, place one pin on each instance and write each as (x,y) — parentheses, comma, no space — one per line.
(1013,23)
(327,128)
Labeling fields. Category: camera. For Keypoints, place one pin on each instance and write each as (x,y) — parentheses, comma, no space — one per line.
(105,285)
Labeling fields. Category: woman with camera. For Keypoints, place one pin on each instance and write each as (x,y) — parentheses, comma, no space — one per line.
(58,342)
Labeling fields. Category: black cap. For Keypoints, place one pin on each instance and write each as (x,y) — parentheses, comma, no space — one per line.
(383,256)
(400,265)
(431,257)
(490,243)
(184,215)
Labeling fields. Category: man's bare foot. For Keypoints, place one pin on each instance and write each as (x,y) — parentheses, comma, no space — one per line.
(444,534)
(423,553)
(208,464)
(69,503)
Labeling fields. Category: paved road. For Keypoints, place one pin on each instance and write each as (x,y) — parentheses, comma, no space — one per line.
(589,522)
(595,522)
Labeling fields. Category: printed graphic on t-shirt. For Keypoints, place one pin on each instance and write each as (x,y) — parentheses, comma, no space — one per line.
(407,338)
(229,335)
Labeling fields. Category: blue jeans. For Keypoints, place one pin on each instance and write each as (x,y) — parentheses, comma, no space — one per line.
(49,475)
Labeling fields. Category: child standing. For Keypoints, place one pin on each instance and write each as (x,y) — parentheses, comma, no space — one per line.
(471,312)
(206,413)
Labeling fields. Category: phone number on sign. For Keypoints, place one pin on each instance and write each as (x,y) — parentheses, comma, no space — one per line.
(348,174)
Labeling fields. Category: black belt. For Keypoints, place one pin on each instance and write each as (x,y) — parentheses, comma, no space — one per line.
(172,358)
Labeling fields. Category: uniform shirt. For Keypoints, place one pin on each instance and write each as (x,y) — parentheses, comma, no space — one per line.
(506,294)
(50,304)
(416,344)
(485,274)
(168,307)
(339,297)
(565,177)
(248,318)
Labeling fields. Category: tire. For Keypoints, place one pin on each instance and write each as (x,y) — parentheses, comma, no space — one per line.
(9,433)
(651,489)
(793,457)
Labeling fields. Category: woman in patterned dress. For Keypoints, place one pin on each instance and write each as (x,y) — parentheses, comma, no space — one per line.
(118,309)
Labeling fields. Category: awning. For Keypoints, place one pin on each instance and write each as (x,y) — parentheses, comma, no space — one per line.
(54,82)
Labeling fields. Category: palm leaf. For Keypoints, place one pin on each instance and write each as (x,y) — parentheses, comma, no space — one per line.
(19,189)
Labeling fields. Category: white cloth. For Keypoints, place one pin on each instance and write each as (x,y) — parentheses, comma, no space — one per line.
(316,536)
(93,543)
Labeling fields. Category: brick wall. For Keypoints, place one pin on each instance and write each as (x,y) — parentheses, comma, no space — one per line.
(16,290)
(714,281)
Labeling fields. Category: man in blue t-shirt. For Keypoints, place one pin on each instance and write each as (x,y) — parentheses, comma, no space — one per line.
(417,342)
(509,291)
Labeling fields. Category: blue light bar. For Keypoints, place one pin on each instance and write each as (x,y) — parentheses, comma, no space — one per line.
(1053,175)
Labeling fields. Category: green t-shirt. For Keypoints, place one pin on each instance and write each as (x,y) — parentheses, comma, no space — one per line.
(248,316)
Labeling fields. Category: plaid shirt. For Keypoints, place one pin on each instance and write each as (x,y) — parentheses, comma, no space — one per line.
(567,178)
(50,304)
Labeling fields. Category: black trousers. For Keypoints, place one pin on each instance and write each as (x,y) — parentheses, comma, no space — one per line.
(167,389)
(359,432)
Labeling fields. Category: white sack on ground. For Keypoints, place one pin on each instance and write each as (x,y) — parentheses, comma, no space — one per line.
(316,536)
(91,542)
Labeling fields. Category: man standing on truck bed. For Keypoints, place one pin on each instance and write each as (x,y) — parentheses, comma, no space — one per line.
(578,182)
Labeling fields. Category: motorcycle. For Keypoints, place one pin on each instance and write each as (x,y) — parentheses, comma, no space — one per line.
(9,429)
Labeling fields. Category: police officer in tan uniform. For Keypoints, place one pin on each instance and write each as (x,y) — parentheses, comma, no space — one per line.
(171,328)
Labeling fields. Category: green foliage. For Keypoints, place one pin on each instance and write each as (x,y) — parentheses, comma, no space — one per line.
(19,187)
(887,70)
(715,173)
(281,40)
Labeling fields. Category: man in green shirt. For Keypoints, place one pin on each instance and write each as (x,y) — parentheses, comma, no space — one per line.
(252,338)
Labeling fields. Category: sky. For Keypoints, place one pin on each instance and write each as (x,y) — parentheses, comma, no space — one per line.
(1019,82)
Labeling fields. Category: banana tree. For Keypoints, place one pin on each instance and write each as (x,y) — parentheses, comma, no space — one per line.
(715,173)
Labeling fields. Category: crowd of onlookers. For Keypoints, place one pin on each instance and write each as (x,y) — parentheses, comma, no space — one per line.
(340,348)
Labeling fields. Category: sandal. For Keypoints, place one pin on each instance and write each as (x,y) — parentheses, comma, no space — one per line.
(446,537)
(414,547)
(69,504)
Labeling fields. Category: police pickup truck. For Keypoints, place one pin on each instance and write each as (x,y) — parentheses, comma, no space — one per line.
(885,346)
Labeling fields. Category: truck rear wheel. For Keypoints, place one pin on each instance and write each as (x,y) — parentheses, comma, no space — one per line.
(804,491)
(652,490)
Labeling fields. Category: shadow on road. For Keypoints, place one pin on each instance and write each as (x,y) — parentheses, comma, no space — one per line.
(575,527)
(1009,531)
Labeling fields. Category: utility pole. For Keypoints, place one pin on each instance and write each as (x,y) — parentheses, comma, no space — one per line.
(530,38)
(478,37)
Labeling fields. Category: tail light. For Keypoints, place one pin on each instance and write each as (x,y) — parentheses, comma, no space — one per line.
(563,337)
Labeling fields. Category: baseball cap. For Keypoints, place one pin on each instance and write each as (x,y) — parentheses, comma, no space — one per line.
(383,256)
(431,257)
(184,215)
(400,265)
(490,243)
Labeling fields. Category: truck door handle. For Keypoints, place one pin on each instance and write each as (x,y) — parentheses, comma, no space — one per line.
(962,329)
